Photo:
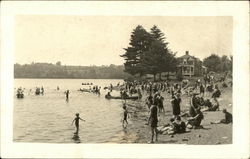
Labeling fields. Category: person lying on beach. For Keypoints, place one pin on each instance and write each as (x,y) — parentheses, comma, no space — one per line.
(195,121)
(228,118)
(76,120)
(175,126)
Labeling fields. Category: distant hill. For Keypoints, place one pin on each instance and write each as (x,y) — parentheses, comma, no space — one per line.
(48,70)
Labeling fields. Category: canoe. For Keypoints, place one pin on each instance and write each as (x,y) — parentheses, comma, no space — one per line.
(118,97)
(84,90)
(87,83)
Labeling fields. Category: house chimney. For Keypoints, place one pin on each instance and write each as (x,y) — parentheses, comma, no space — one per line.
(187,53)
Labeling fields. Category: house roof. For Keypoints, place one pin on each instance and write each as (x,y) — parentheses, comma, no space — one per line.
(185,56)
(188,57)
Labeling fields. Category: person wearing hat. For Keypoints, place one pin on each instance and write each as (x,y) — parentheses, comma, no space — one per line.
(76,120)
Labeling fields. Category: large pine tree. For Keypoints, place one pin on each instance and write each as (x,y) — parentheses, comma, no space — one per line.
(148,53)
(139,43)
(159,58)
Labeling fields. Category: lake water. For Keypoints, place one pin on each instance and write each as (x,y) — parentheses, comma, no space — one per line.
(47,118)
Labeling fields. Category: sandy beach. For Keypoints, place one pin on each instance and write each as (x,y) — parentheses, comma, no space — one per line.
(211,134)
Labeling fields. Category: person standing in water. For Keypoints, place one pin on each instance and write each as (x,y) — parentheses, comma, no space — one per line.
(125,116)
(42,90)
(76,120)
(67,95)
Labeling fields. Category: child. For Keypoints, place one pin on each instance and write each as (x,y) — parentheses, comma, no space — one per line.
(125,115)
(228,118)
(76,120)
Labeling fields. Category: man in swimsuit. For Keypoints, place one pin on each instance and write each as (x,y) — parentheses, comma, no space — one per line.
(153,120)
(76,120)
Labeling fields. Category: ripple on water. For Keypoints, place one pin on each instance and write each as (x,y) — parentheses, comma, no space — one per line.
(47,118)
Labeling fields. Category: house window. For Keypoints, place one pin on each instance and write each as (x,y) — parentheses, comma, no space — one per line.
(184,61)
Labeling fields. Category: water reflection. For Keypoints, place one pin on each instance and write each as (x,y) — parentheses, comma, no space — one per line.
(76,138)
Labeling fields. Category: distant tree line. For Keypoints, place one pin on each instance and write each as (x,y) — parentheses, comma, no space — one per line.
(48,70)
(218,64)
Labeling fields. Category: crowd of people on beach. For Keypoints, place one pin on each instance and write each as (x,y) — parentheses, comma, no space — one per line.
(198,103)
(203,95)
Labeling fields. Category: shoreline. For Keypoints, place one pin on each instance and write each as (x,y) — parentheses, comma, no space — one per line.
(211,134)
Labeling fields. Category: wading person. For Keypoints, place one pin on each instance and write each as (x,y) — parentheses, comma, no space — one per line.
(67,95)
(125,116)
(76,120)
(152,120)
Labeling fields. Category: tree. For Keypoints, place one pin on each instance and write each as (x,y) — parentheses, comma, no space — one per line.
(159,58)
(58,63)
(212,62)
(139,43)
(225,64)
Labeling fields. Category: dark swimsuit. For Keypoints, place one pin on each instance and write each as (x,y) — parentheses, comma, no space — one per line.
(154,120)
(176,106)
(125,115)
(77,121)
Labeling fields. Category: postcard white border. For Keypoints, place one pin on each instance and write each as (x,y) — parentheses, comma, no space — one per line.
(239,11)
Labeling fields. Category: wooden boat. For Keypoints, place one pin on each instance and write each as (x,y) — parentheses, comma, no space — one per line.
(118,97)
(87,83)
(84,90)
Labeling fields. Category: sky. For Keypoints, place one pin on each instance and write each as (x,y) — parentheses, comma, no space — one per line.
(99,40)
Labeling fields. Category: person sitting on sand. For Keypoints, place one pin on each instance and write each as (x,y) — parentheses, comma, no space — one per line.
(153,120)
(228,118)
(108,95)
(195,121)
(216,93)
(179,126)
(76,120)
(175,126)
(212,106)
